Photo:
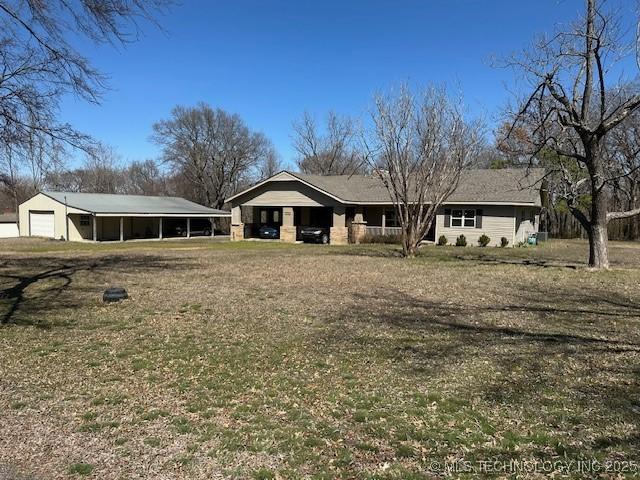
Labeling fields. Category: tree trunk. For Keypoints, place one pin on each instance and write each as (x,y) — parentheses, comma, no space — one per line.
(409,245)
(598,246)
(598,230)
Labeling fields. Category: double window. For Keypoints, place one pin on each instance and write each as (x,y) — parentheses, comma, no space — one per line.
(85,220)
(463,218)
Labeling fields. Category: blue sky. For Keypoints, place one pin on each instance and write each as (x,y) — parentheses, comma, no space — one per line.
(269,60)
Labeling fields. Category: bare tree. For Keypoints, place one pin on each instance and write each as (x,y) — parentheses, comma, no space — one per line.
(40,63)
(270,165)
(9,175)
(419,145)
(573,110)
(214,151)
(101,172)
(623,151)
(334,153)
(144,178)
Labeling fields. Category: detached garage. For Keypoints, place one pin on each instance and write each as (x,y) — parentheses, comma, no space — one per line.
(99,217)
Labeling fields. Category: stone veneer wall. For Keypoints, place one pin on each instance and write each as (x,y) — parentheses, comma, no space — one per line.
(237,232)
(339,236)
(287,234)
(358,231)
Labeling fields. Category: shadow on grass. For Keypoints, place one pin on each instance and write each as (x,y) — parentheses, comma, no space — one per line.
(487,259)
(571,354)
(35,284)
(475,256)
(374,250)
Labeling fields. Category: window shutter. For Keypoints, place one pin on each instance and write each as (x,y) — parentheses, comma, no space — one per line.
(447,217)
(479,218)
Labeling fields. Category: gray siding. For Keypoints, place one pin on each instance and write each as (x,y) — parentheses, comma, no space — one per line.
(284,194)
(497,221)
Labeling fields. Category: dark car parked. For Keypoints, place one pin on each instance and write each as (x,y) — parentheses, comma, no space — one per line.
(269,232)
(315,234)
(199,227)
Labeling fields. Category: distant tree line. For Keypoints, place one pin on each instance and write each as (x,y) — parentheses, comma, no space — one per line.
(207,154)
(40,63)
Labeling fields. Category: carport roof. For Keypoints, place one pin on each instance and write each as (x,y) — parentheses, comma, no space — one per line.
(104,203)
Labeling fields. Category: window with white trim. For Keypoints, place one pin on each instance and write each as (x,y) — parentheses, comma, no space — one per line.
(463,218)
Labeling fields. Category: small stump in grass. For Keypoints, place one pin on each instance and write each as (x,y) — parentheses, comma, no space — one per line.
(114,294)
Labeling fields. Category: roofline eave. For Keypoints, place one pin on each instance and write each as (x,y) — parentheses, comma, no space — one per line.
(167,215)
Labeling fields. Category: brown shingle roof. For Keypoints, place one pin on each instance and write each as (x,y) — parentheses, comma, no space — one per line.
(476,186)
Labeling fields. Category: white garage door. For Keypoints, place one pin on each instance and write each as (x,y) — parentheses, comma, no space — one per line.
(41,224)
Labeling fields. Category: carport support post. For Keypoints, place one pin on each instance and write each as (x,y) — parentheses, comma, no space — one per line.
(95,228)
(122,229)
(384,221)
(339,233)
(237,227)
(213,226)
(160,228)
(287,229)
(358,226)
(188,227)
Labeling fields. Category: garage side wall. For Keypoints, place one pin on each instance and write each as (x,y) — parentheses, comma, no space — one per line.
(78,232)
(42,203)
(8,230)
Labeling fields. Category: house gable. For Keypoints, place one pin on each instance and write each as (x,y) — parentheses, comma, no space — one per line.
(284,192)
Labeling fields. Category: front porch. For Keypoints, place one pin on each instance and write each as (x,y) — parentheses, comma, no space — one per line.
(247,220)
(345,224)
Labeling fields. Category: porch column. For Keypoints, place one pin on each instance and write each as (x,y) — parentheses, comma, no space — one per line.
(237,227)
(160,228)
(358,226)
(288,229)
(384,221)
(122,229)
(188,228)
(339,234)
(213,226)
(95,228)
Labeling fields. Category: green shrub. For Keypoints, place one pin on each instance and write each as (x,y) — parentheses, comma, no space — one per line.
(483,241)
(461,241)
(504,242)
(442,241)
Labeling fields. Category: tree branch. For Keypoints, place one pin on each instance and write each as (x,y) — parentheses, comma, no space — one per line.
(619,215)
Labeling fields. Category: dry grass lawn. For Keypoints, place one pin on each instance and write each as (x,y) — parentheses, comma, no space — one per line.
(263,361)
